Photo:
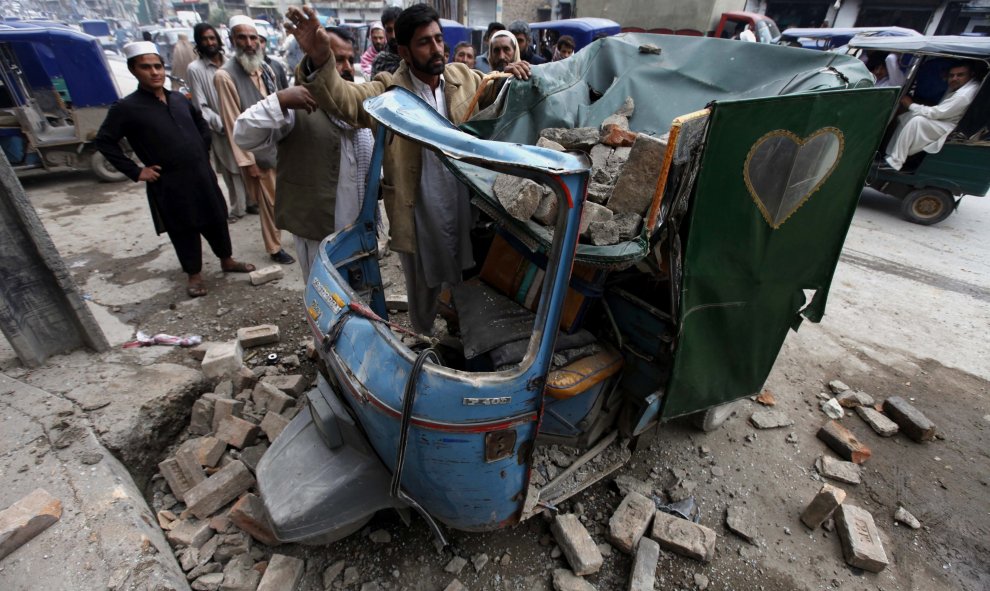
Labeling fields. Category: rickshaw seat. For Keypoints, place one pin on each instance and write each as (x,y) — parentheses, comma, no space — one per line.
(582,374)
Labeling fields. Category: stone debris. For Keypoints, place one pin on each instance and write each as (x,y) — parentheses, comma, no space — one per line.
(456,565)
(380,536)
(577,545)
(331,573)
(189,533)
(700,581)
(266,274)
(237,432)
(636,185)
(844,443)
(603,233)
(224,486)
(740,521)
(282,574)
(255,336)
(832,409)
(630,521)
(627,484)
(520,197)
(543,142)
(26,518)
(644,568)
(479,561)
(836,469)
(683,537)
(455,585)
(222,359)
(578,138)
(293,385)
(249,514)
(852,399)
(239,574)
(208,582)
(351,576)
(273,424)
(878,421)
(912,421)
(565,580)
(903,516)
(593,213)
(770,419)
(223,408)
(766,398)
(822,506)
(838,387)
(860,538)
(177,481)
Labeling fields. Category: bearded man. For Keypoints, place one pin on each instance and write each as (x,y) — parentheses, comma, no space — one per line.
(204,95)
(376,32)
(240,83)
(503,49)
(427,205)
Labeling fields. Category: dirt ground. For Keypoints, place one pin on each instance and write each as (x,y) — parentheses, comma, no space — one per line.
(907,316)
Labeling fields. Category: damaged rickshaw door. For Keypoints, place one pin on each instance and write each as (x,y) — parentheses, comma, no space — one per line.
(739,244)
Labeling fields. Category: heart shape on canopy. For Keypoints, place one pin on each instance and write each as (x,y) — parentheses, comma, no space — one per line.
(783,171)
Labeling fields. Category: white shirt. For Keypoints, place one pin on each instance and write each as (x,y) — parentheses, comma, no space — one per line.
(262,126)
(952,107)
(443,210)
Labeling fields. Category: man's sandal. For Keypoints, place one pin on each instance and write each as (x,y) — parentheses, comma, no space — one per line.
(196,290)
(239,267)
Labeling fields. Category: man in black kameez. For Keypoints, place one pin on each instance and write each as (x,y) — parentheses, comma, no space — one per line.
(173,140)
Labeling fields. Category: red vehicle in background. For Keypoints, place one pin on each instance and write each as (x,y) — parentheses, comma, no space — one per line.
(729,26)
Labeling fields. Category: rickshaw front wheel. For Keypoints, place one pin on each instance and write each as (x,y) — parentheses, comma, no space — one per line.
(711,419)
(104,170)
(927,206)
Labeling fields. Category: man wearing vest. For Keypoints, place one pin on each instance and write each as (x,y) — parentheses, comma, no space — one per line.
(240,83)
(427,206)
(322,161)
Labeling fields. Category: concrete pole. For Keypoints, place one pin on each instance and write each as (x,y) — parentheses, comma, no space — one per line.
(41,311)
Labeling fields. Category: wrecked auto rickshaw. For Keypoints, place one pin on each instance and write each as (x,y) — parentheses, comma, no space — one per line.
(567,347)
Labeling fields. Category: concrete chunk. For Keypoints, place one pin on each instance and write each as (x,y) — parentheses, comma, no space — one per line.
(637,182)
(683,537)
(912,421)
(239,574)
(550,145)
(26,518)
(177,480)
(266,274)
(237,432)
(249,514)
(283,574)
(520,197)
(580,550)
(191,533)
(770,419)
(878,421)
(861,543)
(578,138)
(627,225)
(902,515)
(273,424)
(293,385)
(593,213)
(222,359)
(224,486)
(630,521)
(565,580)
(644,570)
(603,233)
(821,507)
(255,336)
(838,387)
(546,211)
(836,469)
(739,520)
(852,399)
(844,443)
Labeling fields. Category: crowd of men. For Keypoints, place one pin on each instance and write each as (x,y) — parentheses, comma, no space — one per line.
(298,155)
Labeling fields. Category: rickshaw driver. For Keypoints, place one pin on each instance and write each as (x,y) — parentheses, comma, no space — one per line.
(926,128)
(427,206)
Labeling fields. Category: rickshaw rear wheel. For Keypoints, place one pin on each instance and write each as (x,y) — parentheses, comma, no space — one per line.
(104,170)
(711,419)
(927,206)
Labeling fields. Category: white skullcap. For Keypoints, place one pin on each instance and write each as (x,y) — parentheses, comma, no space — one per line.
(236,21)
(376,25)
(140,48)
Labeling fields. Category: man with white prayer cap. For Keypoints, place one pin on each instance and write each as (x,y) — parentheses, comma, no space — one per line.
(173,141)
(240,83)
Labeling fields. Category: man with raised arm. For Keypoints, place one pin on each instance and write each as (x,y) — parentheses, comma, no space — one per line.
(427,206)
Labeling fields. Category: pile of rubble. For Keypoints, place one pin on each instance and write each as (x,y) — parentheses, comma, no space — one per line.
(625,169)
(206,497)
(858,532)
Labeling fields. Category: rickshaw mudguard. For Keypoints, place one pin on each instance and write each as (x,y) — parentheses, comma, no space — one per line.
(470,435)
(320,479)
(777,188)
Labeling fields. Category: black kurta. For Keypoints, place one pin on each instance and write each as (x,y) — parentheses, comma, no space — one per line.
(174,136)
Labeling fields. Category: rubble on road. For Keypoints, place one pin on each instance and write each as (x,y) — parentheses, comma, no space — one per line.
(630,521)
(832,409)
(740,521)
(835,469)
(683,537)
(215,520)
(844,443)
(883,426)
(860,538)
(853,399)
(575,542)
(828,499)
(26,518)
(903,516)
(643,575)
(911,421)
(770,419)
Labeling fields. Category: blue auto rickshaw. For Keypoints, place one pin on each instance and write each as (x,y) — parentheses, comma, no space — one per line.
(931,186)
(836,38)
(566,342)
(57,87)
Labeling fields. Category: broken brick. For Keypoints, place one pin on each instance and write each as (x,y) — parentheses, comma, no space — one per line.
(26,518)
(249,514)
(273,424)
(216,491)
(177,480)
(293,385)
(225,407)
(912,421)
(821,507)
(255,336)
(237,432)
(844,443)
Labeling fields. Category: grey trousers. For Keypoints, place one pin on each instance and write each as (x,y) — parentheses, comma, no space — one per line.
(423,304)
